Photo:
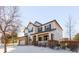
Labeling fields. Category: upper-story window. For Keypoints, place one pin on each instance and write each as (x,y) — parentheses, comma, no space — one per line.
(30,29)
(39,29)
(48,27)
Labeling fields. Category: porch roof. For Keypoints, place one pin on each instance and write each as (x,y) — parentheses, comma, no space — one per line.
(43,32)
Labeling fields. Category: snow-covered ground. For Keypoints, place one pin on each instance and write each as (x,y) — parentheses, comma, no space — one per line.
(32,49)
(9,48)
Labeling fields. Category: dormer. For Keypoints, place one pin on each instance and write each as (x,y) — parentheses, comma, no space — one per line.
(37,23)
(31,27)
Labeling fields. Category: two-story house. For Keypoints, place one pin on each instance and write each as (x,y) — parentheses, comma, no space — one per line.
(43,32)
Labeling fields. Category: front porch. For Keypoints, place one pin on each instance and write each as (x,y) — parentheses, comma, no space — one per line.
(41,39)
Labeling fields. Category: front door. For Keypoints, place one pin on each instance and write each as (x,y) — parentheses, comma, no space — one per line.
(40,39)
(51,36)
(46,38)
(34,40)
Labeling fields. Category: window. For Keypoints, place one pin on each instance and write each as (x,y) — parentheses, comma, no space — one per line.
(48,27)
(30,29)
(40,29)
(40,38)
(45,38)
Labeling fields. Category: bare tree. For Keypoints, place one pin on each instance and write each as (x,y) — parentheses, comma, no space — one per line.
(8,21)
(70,27)
(14,33)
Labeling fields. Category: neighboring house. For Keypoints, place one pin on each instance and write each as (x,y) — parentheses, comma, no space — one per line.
(1,36)
(43,32)
(9,36)
(65,39)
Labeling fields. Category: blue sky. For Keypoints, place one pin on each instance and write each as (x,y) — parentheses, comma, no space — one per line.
(44,14)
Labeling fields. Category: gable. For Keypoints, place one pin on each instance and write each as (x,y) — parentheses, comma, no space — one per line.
(31,24)
(37,23)
(56,24)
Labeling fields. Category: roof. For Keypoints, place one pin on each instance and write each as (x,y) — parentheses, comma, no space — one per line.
(37,22)
(44,31)
(32,24)
(44,23)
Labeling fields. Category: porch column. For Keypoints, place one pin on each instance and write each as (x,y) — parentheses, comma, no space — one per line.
(31,38)
(36,37)
(49,36)
(42,38)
